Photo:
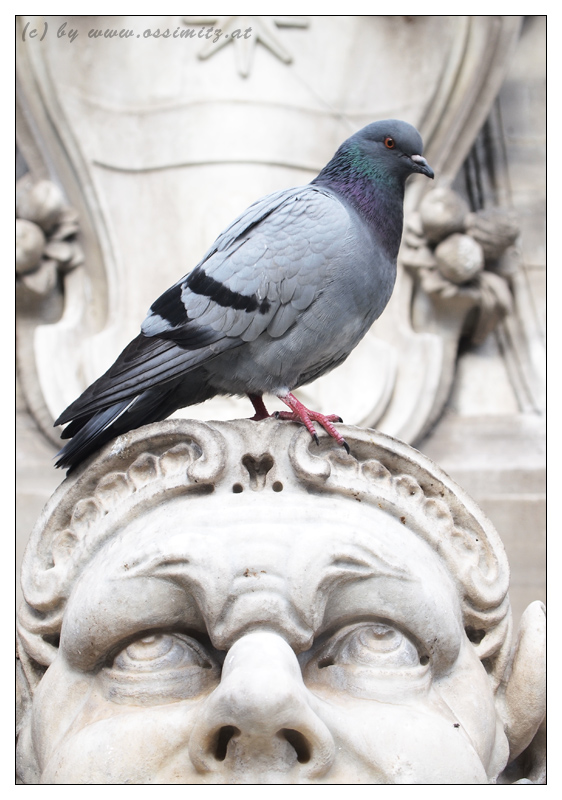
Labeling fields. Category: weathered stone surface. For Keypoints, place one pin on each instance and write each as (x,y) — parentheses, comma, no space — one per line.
(228,603)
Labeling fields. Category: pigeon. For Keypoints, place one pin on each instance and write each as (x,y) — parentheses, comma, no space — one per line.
(282,297)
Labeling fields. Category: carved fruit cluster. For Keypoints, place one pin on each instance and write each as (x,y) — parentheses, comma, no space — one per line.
(45,236)
(457,252)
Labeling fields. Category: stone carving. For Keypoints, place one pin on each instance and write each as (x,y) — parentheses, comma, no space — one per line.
(246,32)
(227,603)
(456,255)
(173,127)
(46,228)
(461,262)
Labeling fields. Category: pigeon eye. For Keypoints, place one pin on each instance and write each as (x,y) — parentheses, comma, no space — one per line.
(389,142)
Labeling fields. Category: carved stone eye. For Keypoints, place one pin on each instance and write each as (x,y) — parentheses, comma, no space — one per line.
(372,645)
(160,668)
(389,142)
(162,651)
(373,660)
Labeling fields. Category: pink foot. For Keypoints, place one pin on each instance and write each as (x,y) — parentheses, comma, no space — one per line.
(302,414)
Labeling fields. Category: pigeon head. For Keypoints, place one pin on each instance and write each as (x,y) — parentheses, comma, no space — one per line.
(384,153)
(391,147)
(369,171)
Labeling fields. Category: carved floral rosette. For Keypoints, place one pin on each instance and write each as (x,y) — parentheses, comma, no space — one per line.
(241,463)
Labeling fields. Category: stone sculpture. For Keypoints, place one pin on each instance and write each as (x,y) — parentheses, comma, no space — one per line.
(227,603)
(45,236)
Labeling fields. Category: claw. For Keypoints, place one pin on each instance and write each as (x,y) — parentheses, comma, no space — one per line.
(299,413)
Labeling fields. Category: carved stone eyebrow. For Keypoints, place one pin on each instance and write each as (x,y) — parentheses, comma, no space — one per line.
(188,573)
(350,563)
(362,562)
(128,605)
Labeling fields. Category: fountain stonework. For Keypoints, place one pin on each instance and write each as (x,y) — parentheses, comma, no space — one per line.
(229,603)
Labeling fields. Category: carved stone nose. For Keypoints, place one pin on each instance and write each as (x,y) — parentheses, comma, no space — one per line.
(259,721)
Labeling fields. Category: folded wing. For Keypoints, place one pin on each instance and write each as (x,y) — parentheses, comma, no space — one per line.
(266,268)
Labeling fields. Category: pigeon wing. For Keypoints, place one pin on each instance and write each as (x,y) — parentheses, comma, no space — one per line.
(266,268)
(261,272)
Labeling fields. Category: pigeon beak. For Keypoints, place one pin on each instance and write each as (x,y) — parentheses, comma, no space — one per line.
(421,165)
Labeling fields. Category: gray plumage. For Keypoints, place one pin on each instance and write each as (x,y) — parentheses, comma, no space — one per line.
(283,296)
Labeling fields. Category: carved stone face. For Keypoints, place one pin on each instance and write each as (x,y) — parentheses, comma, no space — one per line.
(303,648)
